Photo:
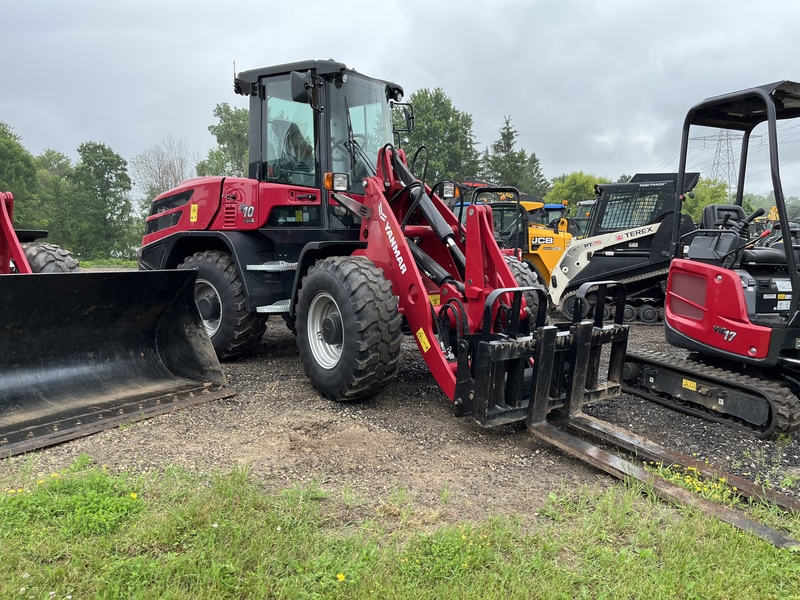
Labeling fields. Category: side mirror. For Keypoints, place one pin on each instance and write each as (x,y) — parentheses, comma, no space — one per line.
(408,116)
(301,85)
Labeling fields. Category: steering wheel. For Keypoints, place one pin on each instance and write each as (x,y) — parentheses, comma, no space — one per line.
(358,137)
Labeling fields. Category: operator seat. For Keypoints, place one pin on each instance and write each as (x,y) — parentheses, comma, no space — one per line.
(714,215)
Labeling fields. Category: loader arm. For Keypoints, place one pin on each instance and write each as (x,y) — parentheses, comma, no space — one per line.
(450,289)
(10,248)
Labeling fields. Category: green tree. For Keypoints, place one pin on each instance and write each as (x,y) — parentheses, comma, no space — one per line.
(230,157)
(99,208)
(707,191)
(18,176)
(573,187)
(54,172)
(446,133)
(505,165)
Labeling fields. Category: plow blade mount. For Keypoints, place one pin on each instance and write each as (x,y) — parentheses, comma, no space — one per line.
(83,352)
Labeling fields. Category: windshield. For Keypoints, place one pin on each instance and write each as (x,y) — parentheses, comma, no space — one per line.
(360,112)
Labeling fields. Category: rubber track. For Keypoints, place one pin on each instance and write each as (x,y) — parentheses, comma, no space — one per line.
(625,281)
(784,403)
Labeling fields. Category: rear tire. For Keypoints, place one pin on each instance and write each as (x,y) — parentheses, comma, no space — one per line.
(348,328)
(220,298)
(49,258)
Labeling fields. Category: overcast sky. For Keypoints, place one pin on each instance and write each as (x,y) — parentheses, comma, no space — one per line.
(601,86)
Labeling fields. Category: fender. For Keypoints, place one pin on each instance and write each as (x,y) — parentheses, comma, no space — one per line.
(245,248)
(313,252)
(580,251)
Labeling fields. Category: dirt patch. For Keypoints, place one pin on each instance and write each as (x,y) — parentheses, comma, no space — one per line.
(404,441)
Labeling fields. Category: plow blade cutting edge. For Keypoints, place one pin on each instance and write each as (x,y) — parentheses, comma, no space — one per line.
(83,352)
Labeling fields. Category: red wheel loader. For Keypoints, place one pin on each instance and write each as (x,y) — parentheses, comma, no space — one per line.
(332,231)
(83,352)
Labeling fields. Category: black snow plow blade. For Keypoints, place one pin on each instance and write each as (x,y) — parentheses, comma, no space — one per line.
(84,352)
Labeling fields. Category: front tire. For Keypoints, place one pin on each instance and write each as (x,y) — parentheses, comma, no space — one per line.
(348,328)
(220,298)
(49,258)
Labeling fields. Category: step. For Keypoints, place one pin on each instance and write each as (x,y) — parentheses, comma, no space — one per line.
(275,266)
(281,306)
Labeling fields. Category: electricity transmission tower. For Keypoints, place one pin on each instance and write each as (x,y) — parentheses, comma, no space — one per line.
(724,167)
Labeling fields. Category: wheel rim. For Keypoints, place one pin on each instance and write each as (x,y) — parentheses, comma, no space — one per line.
(322,311)
(209,304)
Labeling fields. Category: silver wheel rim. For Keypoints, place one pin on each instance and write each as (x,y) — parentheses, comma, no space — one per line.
(204,288)
(327,355)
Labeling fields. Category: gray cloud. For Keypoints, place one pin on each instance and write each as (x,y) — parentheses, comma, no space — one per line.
(598,86)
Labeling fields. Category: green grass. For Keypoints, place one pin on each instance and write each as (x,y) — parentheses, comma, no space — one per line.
(109,263)
(90,533)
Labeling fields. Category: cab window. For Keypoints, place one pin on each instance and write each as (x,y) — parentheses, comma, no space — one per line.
(288,137)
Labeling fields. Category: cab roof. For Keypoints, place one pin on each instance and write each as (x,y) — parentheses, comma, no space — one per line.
(243,82)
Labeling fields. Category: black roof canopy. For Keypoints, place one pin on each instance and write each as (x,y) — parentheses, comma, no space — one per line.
(244,81)
(745,109)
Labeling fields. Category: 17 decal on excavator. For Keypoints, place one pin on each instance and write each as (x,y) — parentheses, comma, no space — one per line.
(726,333)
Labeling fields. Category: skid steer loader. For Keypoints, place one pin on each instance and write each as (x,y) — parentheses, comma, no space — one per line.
(83,352)
(627,238)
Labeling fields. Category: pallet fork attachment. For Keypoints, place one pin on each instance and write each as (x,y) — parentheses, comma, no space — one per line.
(555,414)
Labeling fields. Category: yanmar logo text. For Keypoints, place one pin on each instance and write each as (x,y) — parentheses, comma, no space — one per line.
(387,228)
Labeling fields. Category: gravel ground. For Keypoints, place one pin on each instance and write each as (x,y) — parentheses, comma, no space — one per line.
(406,440)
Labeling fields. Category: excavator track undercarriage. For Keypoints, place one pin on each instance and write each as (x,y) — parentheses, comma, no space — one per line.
(645,305)
(748,401)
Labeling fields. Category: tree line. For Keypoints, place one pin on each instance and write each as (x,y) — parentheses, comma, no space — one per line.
(96,205)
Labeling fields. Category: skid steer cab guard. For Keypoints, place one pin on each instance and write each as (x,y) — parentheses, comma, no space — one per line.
(83,352)
(476,314)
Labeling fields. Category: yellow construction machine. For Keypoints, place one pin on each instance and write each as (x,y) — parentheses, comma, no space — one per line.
(519,224)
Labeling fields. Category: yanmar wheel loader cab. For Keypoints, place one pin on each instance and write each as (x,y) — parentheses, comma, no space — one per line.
(245,236)
(734,304)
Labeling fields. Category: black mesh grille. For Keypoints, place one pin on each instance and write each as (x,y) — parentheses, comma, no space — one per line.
(628,210)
